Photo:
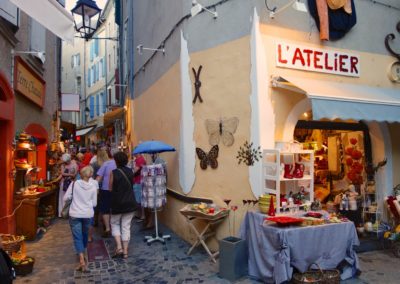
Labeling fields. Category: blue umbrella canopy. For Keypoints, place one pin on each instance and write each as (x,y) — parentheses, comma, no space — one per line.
(153,147)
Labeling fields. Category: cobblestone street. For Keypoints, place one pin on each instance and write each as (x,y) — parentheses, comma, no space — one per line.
(56,261)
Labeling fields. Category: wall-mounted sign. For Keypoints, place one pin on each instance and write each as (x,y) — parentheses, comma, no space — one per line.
(69,102)
(28,83)
(317,60)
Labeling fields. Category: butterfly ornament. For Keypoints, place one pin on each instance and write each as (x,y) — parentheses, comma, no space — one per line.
(222,130)
(208,159)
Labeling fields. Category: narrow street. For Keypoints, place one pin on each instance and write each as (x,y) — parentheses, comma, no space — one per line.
(266,130)
(55,262)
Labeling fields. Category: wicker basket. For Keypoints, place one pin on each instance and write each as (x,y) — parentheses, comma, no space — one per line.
(327,276)
(24,269)
(11,243)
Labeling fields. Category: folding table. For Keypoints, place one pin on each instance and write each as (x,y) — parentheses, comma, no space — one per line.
(211,221)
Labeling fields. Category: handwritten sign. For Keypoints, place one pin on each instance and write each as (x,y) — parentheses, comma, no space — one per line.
(317,60)
(28,83)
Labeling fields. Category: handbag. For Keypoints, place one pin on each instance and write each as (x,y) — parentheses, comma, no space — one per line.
(67,205)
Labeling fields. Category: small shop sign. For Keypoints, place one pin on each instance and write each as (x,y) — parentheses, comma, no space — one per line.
(317,60)
(28,83)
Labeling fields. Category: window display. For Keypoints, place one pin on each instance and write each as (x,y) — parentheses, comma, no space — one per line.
(342,154)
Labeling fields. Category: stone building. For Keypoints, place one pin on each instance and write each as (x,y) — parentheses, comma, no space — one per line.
(29,92)
(266,67)
(89,69)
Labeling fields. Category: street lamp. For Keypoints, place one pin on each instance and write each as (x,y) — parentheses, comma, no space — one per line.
(86,17)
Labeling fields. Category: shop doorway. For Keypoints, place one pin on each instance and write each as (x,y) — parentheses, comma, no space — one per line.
(342,172)
(6,152)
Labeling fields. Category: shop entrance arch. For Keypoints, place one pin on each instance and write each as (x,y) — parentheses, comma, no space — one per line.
(6,158)
(377,134)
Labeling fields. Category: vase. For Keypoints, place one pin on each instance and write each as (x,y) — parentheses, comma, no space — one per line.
(233,258)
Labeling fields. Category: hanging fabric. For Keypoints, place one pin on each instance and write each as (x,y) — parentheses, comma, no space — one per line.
(337,21)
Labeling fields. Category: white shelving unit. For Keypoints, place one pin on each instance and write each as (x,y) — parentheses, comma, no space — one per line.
(367,215)
(273,180)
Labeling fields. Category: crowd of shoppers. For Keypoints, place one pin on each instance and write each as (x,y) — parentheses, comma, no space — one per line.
(104,182)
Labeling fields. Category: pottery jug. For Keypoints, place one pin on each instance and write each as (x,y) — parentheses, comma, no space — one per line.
(298,171)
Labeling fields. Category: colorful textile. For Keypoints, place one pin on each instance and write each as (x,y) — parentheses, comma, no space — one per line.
(340,21)
(154,186)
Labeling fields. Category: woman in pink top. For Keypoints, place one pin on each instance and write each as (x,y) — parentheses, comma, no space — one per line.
(138,163)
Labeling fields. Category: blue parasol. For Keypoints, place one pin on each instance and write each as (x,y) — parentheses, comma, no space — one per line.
(153,147)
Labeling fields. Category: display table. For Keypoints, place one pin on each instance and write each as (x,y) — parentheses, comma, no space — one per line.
(26,216)
(274,251)
(207,231)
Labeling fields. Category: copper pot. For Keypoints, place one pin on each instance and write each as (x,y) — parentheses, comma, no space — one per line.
(53,146)
(24,146)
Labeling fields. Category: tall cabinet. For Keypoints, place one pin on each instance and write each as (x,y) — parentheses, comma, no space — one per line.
(275,183)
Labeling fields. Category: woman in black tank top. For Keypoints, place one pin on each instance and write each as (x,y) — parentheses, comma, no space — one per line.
(123,204)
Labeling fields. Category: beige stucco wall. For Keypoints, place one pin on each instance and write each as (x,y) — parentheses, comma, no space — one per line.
(284,100)
(225,91)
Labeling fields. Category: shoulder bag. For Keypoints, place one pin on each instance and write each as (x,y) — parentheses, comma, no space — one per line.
(67,205)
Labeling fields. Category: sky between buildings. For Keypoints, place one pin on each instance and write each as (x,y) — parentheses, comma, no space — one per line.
(69,4)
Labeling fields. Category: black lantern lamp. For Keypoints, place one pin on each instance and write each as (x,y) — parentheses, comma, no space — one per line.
(86,17)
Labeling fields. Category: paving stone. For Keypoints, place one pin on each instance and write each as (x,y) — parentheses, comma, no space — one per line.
(169,264)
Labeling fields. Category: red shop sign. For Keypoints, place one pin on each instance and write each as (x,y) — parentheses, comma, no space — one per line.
(317,60)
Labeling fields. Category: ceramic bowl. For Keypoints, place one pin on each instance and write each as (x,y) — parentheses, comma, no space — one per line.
(263,208)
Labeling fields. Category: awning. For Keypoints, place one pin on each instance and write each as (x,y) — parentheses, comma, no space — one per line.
(111,116)
(51,15)
(84,131)
(333,100)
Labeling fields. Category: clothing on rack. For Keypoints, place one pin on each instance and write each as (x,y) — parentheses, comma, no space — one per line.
(154,186)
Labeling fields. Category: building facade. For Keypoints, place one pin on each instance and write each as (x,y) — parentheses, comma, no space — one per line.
(29,91)
(89,68)
(72,76)
(262,67)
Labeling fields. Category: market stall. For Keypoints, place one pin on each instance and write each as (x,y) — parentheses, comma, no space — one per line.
(275,250)
(35,192)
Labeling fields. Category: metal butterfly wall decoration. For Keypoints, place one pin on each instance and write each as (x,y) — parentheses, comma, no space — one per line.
(222,129)
(208,159)
(197,84)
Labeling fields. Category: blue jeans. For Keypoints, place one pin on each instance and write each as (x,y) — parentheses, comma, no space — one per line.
(80,232)
(137,190)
